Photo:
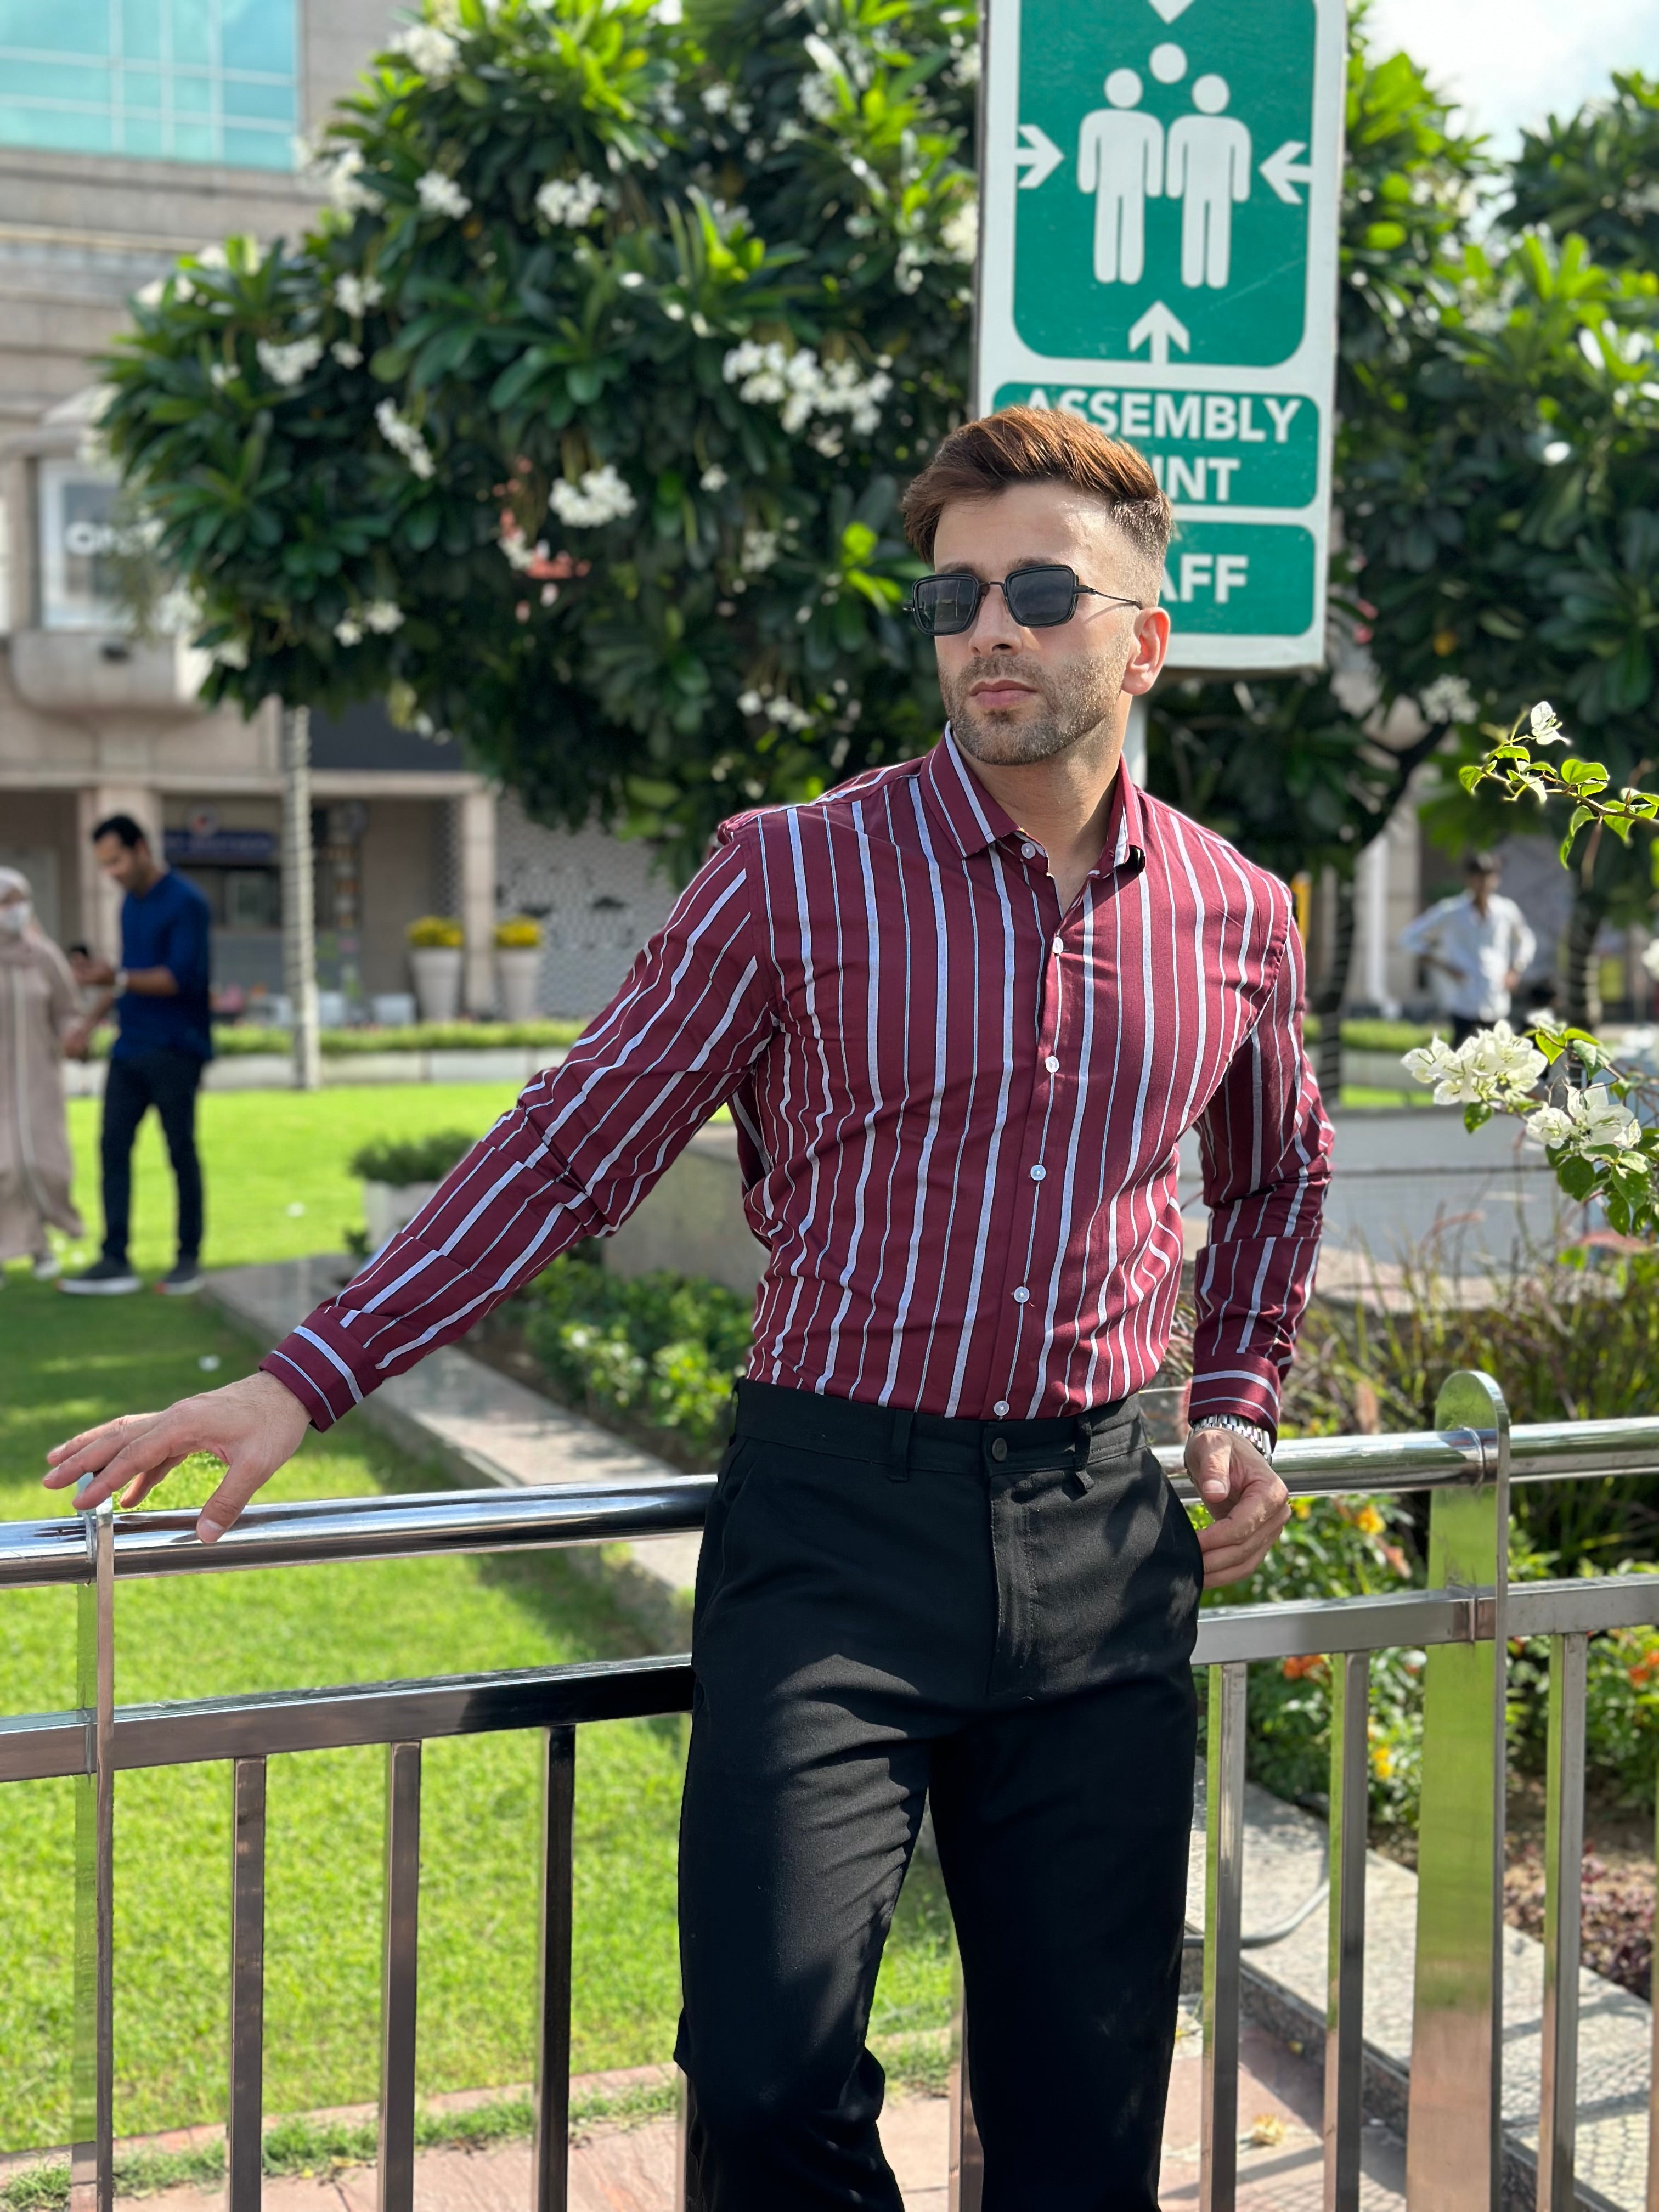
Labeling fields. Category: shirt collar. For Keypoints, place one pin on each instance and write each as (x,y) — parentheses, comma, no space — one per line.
(974,820)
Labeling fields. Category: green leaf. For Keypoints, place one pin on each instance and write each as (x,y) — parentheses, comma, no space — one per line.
(1475,1115)
(1578,1177)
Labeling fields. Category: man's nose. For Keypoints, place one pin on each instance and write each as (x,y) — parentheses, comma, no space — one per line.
(993,627)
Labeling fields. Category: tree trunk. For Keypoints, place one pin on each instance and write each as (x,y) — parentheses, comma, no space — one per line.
(1332,989)
(1581,979)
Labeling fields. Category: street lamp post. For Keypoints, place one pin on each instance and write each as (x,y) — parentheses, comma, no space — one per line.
(299,898)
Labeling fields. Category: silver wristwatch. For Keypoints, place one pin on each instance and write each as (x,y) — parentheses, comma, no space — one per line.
(1257,1435)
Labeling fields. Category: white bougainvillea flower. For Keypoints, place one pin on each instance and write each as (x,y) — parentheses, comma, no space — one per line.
(1545,725)
(1508,1061)
(288,365)
(601,496)
(1427,1063)
(1549,1127)
(439,194)
(1586,1121)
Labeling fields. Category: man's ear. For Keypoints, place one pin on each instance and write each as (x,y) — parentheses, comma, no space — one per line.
(1152,644)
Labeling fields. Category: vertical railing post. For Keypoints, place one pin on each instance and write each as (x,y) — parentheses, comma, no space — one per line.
(1564,1865)
(399,1978)
(550,2162)
(244,2131)
(1345,2015)
(965,2159)
(1223,1892)
(1454,2145)
(92,2158)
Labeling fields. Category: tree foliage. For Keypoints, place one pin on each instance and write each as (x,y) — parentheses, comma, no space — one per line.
(575,426)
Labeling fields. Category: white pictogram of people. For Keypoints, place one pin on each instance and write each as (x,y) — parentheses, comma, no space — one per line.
(1125,158)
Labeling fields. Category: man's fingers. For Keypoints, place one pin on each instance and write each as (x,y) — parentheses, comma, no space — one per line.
(224,1508)
(96,1444)
(1209,1461)
(161,1444)
(136,1492)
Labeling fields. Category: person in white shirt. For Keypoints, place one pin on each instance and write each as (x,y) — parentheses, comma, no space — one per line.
(1480,943)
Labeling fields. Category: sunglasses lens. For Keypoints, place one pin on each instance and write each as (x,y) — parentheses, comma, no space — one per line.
(1039,598)
(945,605)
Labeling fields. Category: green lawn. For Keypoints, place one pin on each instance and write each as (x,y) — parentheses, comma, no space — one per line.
(65,1363)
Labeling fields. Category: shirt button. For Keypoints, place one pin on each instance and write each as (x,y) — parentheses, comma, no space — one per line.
(1001,1409)
(1060,944)
(1037,1174)
(1028,852)
(1021,1294)
(1051,1064)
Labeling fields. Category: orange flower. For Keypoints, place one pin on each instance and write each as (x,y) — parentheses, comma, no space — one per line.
(1294,1670)
(1644,1669)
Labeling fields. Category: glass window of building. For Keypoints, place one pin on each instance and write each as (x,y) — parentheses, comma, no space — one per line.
(162,79)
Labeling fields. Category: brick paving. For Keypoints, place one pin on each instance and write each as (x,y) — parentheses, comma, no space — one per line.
(631,2169)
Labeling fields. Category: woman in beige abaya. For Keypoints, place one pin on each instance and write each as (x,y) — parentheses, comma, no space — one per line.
(39,1020)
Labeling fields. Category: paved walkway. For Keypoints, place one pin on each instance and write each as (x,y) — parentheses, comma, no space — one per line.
(631,2169)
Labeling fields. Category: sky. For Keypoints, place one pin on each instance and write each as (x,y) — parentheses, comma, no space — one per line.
(1511,62)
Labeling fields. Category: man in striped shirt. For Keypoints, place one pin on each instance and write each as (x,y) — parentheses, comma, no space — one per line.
(963,1010)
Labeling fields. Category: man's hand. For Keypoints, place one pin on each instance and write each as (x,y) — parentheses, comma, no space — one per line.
(253,1425)
(78,1037)
(1247,1504)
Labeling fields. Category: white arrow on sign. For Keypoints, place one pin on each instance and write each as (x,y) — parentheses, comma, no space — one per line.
(1170,9)
(1157,329)
(1285,173)
(1039,156)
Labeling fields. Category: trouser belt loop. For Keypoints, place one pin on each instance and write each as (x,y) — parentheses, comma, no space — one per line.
(1082,1437)
(898,1449)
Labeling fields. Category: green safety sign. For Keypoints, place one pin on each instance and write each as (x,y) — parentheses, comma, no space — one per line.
(1159,257)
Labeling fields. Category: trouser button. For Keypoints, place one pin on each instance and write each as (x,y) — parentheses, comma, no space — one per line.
(999,1447)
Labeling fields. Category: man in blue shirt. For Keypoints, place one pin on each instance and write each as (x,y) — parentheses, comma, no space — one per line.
(160,995)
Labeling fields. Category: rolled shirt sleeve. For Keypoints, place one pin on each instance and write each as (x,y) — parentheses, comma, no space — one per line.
(572,1158)
(1264,1143)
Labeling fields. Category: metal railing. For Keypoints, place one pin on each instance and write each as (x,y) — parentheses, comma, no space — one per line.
(1463,1622)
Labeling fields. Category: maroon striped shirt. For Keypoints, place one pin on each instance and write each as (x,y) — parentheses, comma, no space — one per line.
(957,1114)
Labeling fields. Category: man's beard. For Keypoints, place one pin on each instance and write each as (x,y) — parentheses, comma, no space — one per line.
(1076,696)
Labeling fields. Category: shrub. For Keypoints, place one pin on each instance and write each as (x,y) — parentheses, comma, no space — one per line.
(521,934)
(659,1353)
(405,1160)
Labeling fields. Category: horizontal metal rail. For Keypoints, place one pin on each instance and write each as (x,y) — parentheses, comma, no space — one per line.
(340,1529)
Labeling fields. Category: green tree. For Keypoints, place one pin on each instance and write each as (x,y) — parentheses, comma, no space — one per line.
(1593,174)
(575,426)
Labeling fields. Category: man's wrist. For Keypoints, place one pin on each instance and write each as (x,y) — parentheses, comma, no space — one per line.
(118,983)
(1252,1432)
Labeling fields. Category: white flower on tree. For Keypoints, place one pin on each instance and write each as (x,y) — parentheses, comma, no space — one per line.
(803,385)
(347,192)
(348,356)
(356,294)
(1588,1120)
(959,232)
(404,437)
(760,550)
(231,653)
(439,194)
(572,201)
(382,617)
(1448,699)
(432,53)
(713,478)
(349,630)
(601,496)
(288,365)
(820,96)
(222,372)
(1502,1058)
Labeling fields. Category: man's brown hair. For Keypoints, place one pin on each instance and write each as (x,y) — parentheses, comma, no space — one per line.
(1039,445)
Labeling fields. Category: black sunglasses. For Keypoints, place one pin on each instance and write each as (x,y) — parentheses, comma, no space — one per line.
(1037,598)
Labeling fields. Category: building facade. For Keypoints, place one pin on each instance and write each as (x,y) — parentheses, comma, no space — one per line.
(131,133)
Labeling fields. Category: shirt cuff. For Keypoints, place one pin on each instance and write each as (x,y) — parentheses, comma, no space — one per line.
(317,1363)
(1249,1387)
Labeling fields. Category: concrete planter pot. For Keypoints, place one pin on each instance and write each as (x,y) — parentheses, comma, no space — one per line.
(518,968)
(436,969)
(389,1207)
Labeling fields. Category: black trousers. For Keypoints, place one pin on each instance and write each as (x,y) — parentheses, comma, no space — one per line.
(997,1615)
(167,1081)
